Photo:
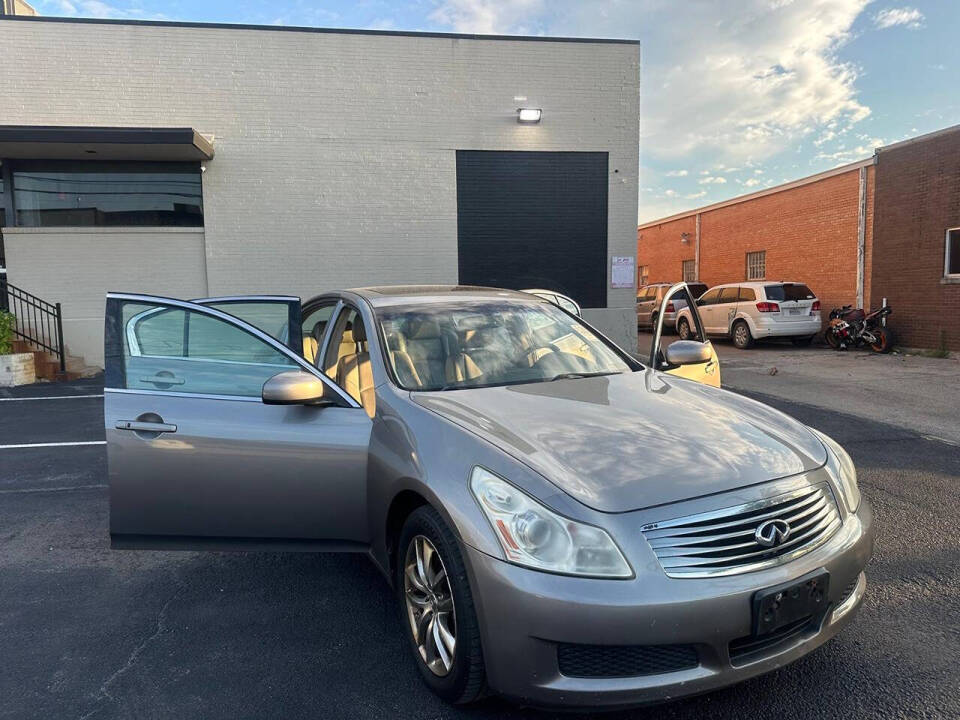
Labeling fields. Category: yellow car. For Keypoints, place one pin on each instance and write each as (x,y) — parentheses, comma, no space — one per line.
(692,359)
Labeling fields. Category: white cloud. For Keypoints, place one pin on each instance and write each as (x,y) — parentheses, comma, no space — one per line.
(712,180)
(892,17)
(670,193)
(750,182)
(487,17)
(728,86)
(94,9)
(694,196)
(676,173)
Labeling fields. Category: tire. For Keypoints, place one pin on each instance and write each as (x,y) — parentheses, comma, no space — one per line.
(884,342)
(742,338)
(464,679)
(831,338)
(654,318)
(683,329)
(802,341)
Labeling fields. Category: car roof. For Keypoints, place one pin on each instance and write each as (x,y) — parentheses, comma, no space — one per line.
(383,295)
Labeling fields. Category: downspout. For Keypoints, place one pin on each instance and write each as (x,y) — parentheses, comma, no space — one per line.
(861,235)
(696,251)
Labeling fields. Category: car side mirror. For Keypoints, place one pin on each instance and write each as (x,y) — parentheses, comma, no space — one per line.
(688,352)
(295,387)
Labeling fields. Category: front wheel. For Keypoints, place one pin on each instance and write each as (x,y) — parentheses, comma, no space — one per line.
(741,335)
(435,600)
(884,342)
(683,329)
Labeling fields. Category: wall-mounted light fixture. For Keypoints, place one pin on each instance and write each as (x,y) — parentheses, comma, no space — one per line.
(684,237)
(528,116)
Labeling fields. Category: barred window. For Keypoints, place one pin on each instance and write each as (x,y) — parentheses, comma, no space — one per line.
(689,271)
(757,265)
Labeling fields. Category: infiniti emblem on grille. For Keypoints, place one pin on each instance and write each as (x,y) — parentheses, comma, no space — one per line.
(772,532)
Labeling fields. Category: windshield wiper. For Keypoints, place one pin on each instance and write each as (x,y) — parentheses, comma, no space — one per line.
(574,375)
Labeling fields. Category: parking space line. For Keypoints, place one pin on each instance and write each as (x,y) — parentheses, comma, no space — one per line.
(49,397)
(72,488)
(52,444)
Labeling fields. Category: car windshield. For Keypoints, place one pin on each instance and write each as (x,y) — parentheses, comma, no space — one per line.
(471,344)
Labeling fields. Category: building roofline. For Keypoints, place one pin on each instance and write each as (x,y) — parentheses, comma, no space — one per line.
(920,138)
(302,29)
(762,193)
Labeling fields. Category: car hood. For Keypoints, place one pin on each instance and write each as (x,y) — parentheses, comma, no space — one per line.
(631,441)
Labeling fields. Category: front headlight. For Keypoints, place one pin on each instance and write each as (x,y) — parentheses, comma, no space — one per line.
(840,465)
(534,536)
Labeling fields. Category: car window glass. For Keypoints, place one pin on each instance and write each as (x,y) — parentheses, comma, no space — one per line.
(729,295)
(697,289)
(480,344)
(270,316)
(747,294)
(710,297)
(315,322)
(788,292)
(178,350)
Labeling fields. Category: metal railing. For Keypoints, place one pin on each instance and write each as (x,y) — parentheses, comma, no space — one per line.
(37,321)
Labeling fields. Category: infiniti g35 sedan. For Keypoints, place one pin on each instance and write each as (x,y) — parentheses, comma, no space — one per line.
(515,475)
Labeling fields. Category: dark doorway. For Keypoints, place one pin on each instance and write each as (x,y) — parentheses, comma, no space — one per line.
(534,220)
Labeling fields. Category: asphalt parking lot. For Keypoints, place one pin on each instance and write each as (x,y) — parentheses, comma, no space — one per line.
(86,632)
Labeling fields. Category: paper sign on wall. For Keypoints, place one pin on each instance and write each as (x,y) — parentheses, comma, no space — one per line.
(622,271)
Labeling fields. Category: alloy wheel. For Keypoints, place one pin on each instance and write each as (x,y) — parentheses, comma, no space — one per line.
(684,330)
(430,608)
(740,335)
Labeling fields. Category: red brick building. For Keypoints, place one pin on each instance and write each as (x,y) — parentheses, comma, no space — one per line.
(876,228)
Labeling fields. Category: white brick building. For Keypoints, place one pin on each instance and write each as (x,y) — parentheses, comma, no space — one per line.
(339,158)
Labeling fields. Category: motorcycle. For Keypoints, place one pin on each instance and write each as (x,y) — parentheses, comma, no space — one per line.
(852,326)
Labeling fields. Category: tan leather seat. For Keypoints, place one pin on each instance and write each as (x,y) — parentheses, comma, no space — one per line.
(355,374)
(310,348)
(348,346)
(402,364)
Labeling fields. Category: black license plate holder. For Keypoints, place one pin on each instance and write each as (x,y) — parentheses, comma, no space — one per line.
(776,607)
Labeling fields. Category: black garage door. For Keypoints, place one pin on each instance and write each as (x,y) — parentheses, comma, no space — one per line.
(534,220)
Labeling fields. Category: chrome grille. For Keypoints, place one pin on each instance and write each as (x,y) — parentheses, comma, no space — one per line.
(723,542)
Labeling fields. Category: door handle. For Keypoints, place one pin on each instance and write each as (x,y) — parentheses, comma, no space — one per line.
(140,426)
(163,380)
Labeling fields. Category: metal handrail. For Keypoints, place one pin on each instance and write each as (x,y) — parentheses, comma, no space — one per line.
(37,321)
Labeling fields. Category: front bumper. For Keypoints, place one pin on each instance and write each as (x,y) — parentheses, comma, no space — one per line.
(525,615)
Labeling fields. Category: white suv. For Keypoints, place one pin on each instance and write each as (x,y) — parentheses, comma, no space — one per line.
(751,311)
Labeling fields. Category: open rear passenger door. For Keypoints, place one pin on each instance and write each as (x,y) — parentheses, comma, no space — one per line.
(196,458)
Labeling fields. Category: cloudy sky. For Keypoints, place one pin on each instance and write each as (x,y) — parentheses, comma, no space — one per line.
(737,95)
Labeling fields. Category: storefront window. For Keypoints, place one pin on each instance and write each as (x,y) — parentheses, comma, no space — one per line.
(58,194)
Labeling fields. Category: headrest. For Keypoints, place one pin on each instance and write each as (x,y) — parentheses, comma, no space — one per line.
(424,329)
(359,332)
(318,328)
(347,338)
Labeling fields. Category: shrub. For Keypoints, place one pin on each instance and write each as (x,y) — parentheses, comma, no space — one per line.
(6,332)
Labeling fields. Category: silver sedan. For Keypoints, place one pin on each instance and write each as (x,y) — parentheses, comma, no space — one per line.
(514,475)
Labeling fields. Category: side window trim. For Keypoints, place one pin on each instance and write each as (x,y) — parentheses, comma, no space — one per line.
(298,360)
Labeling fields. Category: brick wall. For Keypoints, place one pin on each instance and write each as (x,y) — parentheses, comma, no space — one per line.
(918,198)
(809,234)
